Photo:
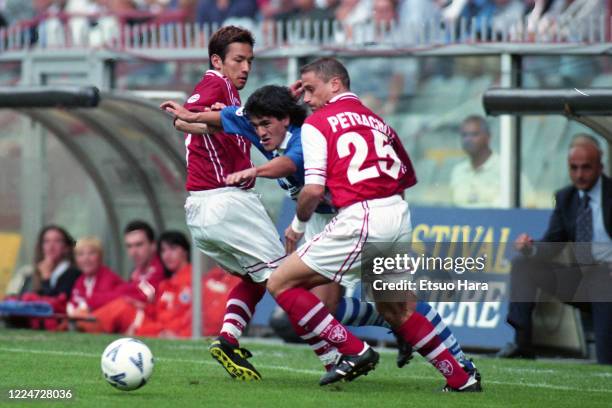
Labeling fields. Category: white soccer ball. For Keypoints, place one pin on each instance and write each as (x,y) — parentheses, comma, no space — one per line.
(127,364)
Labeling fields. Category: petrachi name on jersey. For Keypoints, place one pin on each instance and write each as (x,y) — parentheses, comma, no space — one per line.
(212,157)
(346,120)
(353,152)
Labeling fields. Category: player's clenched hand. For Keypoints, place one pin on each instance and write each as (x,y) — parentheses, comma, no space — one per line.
(297,89)
(291,239)
(178,111)
(241,177)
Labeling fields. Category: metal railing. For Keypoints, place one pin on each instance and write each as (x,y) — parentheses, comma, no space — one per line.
(114,33)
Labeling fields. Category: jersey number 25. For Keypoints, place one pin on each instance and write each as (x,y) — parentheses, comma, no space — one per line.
(383,151)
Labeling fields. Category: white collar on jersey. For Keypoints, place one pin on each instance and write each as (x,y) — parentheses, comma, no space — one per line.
(217,73)
(285,142)
(343,95)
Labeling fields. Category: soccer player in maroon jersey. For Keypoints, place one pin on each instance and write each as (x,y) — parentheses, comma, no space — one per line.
(360,159)
(221,217)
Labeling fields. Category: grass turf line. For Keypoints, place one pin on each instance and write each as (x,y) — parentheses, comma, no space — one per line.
(186,376)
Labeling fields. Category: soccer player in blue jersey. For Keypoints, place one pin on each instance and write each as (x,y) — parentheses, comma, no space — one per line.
(272,120)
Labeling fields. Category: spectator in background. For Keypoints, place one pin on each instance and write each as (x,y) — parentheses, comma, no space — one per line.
(306,12)
(143,287)
(507,13)
(170,315)
(395,76)
(489,15)
(51,278)
(54,273)
(352,14)
(415,13)
(582,214)
(218,11)
(148,270)
(269,9)
(97,281)
(475,181)
(14,11)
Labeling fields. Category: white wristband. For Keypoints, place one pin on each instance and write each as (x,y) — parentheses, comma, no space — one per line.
(297,225)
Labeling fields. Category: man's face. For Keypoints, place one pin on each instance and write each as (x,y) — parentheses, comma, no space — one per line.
(584,166)
(271,131)
(237,64)
(316,92)
(473,138)
(139,248)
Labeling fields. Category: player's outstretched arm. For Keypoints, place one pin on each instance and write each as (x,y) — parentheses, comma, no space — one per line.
(276,168)
(212,118)
(193,128)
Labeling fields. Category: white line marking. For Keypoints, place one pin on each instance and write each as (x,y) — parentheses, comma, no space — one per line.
(309,372)
(175,360)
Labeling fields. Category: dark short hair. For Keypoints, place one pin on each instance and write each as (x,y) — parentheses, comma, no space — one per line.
(327,68)
(174,238)
(275,101)
(482,123)
(223,37)
(139,225)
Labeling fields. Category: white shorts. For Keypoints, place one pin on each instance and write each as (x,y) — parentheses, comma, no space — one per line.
(316,224)
(336,252)
(231,226)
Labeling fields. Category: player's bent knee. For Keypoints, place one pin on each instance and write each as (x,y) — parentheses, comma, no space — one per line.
(274,284)
(279,281)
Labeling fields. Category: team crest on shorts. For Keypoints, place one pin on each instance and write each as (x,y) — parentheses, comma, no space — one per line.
(194,98)
(337,334)
(445,367)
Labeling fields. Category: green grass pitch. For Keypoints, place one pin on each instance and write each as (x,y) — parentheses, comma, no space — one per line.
(186,376)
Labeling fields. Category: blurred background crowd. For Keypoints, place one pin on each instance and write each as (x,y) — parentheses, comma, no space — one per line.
(541,16)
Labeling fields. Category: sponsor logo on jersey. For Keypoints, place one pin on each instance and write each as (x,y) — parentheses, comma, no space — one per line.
(337,334)
(445,367)
(194,98)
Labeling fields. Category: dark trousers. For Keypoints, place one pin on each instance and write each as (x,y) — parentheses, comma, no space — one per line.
(566,283)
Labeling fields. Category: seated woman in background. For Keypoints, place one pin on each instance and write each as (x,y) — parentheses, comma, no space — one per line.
(96,282)
(55,273)
(51,278)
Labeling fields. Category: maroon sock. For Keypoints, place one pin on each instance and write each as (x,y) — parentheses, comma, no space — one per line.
(311,318)
(239,309)
(421,335)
